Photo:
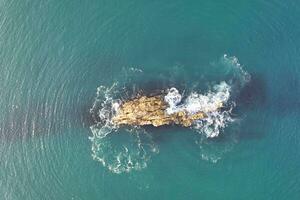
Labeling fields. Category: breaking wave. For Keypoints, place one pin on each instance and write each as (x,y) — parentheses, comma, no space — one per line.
(123,150)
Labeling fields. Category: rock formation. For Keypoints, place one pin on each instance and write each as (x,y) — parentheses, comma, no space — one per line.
(152,111)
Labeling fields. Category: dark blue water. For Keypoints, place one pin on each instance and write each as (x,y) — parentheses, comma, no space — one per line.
(55,54)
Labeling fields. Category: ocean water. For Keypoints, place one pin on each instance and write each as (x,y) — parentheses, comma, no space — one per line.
(63,64)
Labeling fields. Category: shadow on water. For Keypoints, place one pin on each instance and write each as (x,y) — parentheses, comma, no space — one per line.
(253,95)
(285,99)
(252,98)
(164,134)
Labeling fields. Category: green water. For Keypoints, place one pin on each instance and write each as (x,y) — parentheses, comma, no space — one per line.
(54,54)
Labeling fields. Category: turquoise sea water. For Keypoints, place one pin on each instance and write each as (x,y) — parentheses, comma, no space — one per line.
(55,54)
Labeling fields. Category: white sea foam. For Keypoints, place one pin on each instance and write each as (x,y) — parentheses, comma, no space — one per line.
(133,148)
(209,103)
(173,98)
(131,152)
(104,107)
(118,156)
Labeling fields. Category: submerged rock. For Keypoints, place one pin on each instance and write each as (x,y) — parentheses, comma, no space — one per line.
(152,110)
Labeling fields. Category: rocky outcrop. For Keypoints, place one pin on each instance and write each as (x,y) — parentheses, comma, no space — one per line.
(152,111)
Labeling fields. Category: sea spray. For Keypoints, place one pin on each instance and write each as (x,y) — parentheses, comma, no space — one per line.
(208,103)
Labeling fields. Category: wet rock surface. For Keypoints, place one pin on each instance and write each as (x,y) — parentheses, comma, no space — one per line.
(146,110)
